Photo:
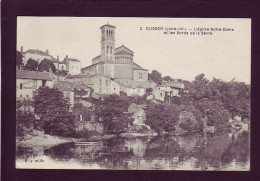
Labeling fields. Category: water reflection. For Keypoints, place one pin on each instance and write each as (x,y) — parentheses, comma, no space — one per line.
(190,152)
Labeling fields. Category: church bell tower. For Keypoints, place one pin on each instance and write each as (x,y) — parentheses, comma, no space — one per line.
(107,43)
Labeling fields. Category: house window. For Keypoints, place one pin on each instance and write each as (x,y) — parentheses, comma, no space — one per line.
(27,96)
(21,86)
(62,67)
(100,85)
(161,94)
(43,83)
(68,95)
(34,83)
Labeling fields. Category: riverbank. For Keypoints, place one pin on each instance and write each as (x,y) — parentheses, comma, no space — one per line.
(45,141)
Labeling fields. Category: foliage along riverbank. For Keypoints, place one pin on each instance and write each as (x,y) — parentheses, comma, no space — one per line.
(204,103)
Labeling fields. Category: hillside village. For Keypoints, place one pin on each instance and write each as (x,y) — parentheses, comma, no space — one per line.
(117,114)
(116,95)
(112,72)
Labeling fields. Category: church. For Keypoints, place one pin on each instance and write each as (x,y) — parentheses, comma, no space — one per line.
(117,63)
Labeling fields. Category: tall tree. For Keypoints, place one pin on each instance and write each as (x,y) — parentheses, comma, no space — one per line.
(54,112)
(19,59)
(167,78)
(113,111)
(31,65)
(155,76)
(47,65)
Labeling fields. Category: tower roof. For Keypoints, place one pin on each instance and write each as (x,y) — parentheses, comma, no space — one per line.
(108,26)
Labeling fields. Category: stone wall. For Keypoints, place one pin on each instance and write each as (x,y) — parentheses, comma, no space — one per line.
(94,126)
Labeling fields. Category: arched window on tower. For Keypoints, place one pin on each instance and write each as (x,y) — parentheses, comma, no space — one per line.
(111,33)
(107,33)
(107,48)
(110,50)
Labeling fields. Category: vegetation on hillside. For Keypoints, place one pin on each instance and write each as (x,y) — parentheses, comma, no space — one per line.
(204,103)
(53,110)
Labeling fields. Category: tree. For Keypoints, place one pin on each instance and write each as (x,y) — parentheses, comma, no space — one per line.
(167,78)
(24,122)
(54,111)
(31,65)
(80,109)
(47,65)
(155,76)
(113,112)
(19,59)
(162,117)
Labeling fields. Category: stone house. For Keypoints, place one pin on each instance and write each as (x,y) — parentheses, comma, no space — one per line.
(71,65)
(168,90)
(101,84)
(28,81)
(67,89)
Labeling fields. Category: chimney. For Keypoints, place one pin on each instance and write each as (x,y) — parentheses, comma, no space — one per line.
(21,49)
(47,51)
(58,57)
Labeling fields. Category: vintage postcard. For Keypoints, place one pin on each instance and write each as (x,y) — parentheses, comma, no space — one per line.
(133,93)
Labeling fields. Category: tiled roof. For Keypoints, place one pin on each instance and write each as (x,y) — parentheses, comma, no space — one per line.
(96,57)
(175,84)
(108,26)
(116,49)
(78,76)
(39,52)
(23,74)
(64,86)
(138,67)
(124,52)
(86,76)
(73,59)
(80,86)
(92,65)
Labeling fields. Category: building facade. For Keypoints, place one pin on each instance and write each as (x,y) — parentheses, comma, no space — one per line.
(116,63)
(71,65)
(28,81)
(101,84)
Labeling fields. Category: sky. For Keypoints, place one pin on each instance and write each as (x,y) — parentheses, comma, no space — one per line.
(224,55)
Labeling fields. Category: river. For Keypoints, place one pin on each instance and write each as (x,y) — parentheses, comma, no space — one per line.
(191,152)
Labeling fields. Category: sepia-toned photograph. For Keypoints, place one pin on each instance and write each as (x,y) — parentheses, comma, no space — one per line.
(132,93)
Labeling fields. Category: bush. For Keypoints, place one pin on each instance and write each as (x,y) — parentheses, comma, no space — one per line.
(24,122)
(187,121)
